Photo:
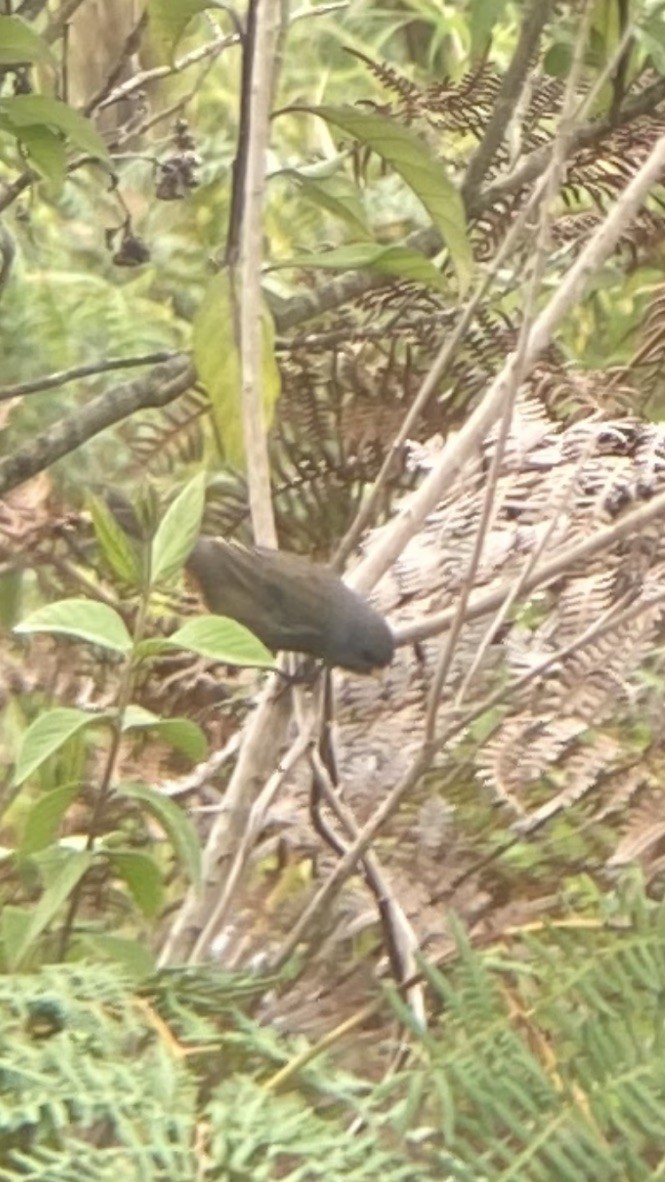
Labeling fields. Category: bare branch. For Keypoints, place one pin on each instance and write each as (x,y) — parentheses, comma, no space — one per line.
(460,449)
(157,389)
(261,45)
(61,378)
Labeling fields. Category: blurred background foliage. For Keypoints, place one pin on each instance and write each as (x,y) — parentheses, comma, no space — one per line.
(544,1061)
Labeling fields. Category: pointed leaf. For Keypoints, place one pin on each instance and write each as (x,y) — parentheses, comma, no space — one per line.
(175,823)
(336,194)
(218,364)
(143,877)
(66,869)
(419,169)
(19,44)
(118,550)
(220,639)
(138,718)
(46,151)
(484,15)
(47,734)
(153,646)
(399,261)
(181,733)
(28,110)
(44,817)
(169,18)
(14,922)
(136,959)
(178,530)
(185,736)
(84,619)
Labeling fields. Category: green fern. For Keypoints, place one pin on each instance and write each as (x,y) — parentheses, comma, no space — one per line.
(546,1065)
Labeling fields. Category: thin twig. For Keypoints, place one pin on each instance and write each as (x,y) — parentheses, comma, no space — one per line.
(459,450)
(484,602)
(63,376)
(161,386)
(255,822)
(552,183)
(387,807)
(140,81)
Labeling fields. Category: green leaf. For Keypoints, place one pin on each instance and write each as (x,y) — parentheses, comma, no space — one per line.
(420,170)
(19,44)
(336,194)
(389,260)
(14,922)
(65,869)
(153,646)
(181,733)
(169,18)
(46,152)
(143,877)
(484,15)
(83,619)
(220,639)
(218,363)
(118,550)
(135,958)
(175,823)
(185,736)
(29,110)
(47,734)
(44,817)
(178,530)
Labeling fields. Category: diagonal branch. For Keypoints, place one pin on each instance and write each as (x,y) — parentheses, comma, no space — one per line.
(161,386)
(512,84)
(459,450)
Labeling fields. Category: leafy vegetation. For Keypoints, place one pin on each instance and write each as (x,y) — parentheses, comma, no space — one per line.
(352,278)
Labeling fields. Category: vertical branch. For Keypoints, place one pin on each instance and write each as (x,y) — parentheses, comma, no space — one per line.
(263,26)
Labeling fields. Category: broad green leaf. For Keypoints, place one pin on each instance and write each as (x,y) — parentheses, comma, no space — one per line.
(153,646)
(29,110)
(399,261)
(19,43)
(44,817)
(558,60)
(218,363)
(143,877)
(84,619)
(66,869)
(118,550)
(169,18)
(483,16)
(46,151)
(181,733)
(134,957)
(47,734)
(175,823)
(220,639)
(419,169)
(138,718)
(14,922)
(337,194)
(185,736)
(178,530)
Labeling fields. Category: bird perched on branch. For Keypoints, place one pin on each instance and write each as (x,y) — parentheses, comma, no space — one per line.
(286,600)
(291,603)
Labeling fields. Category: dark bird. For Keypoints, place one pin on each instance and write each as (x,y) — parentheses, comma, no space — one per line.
(291,603)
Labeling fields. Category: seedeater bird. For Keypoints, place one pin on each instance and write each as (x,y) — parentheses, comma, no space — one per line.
(291,603)
(286,600)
